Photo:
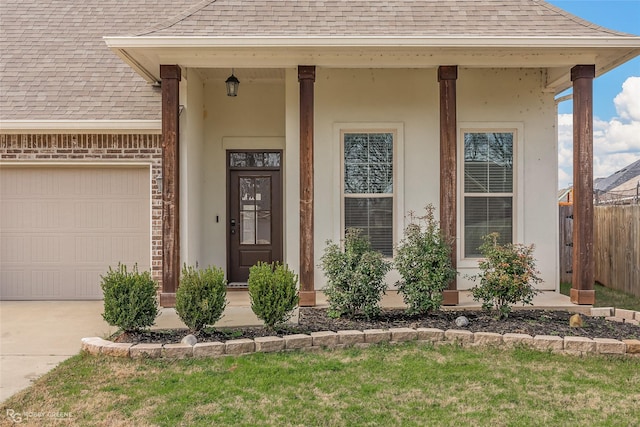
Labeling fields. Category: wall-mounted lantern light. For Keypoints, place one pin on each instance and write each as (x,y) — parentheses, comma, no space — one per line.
(232,85)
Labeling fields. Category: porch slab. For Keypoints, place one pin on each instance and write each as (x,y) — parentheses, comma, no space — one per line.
(238,311)
(545,300)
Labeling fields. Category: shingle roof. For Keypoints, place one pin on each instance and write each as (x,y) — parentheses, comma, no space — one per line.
(54,63)
(618,178)
(353,18)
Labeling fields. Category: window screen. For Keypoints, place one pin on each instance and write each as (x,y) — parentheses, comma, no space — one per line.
(368,187)
(488,188)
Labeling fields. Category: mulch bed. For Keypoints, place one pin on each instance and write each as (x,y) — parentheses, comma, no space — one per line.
(532,322)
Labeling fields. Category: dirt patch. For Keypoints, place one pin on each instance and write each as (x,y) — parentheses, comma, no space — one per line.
(531,322)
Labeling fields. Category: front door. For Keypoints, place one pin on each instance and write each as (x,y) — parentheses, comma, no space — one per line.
(255,213)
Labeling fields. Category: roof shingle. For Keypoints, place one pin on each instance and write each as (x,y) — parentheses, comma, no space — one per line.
(390,18)
(54,64)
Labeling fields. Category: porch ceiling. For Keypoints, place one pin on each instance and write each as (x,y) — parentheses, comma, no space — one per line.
(557,56)
(250,74)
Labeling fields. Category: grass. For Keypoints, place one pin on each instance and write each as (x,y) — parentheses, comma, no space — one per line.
(606,297)
(409,385)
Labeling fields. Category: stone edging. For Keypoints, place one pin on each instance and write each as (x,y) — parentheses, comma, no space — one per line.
(352,338)
(362,339)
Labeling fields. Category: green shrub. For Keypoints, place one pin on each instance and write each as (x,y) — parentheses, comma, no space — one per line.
(507,276)
(355,276)
(273,292)
(201,296)
(129,298)
(423,259)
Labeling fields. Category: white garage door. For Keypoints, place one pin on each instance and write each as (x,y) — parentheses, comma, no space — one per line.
(62,227)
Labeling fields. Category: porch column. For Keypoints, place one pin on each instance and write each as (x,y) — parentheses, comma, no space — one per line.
(582,291)
(307,78)
(447,76)
(170,75)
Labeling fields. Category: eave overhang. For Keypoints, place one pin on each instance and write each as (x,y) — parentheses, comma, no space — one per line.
(555,54)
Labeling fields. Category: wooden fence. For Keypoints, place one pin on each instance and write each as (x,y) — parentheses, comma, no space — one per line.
(616,245)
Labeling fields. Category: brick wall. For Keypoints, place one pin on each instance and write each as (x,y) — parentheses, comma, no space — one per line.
(79,148)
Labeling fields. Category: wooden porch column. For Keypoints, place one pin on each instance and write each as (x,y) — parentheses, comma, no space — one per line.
(447,76)
(170,75)
(582,291)
(307,78)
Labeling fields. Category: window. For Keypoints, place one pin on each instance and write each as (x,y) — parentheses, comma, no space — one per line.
(368,192)
(488,194)
(254,160)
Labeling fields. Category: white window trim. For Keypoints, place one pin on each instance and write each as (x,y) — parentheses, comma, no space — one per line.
(397,128)
(518,182)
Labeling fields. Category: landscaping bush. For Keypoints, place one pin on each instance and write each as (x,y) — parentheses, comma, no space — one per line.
(507,276)
(355,276)
(273,292)
(201,296)
(129,298)
(423,259)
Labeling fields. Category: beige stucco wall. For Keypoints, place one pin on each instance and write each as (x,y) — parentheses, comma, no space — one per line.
(515,96)
(265,115)
(252,120)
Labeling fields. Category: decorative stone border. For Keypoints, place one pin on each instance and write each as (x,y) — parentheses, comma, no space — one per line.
(317,341)
(362,339)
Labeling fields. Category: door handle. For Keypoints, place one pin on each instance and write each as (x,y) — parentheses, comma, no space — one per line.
(233,222)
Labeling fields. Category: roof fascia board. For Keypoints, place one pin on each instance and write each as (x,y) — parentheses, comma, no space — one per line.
(559,79)
(529,42)
(80,126)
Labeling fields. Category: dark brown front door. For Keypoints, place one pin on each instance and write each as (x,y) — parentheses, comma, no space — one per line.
(255,220)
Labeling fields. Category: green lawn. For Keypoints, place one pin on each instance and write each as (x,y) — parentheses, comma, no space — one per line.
(606,297)
(408,385)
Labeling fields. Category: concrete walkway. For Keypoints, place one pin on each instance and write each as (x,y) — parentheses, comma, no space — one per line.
(37,335)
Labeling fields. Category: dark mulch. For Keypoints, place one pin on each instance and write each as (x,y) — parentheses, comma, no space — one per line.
(532,322)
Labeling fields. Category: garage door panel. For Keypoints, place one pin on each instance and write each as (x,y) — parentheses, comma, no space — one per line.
(84,284)
(14,249)
(46,249)
(45,284)
(61,228)
(124,216)
(13,283)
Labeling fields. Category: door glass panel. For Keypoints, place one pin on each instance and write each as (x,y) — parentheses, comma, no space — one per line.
(238,160)
(272,159)
(263,228)
(255,210)
(247,190)
(254,160)
(247,228)
(263,193)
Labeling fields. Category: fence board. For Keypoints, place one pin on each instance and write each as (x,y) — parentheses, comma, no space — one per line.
(617,247)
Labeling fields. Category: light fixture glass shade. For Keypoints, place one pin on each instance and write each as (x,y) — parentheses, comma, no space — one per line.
(232,85)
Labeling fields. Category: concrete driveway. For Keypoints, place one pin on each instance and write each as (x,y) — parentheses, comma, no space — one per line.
(35,336)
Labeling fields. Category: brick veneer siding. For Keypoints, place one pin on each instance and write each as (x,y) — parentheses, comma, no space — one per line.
(70,148)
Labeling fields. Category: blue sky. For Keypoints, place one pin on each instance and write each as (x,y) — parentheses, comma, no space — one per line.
(616,124)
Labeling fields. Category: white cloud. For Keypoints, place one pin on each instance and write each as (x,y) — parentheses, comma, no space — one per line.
(616,143)
(628,101)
